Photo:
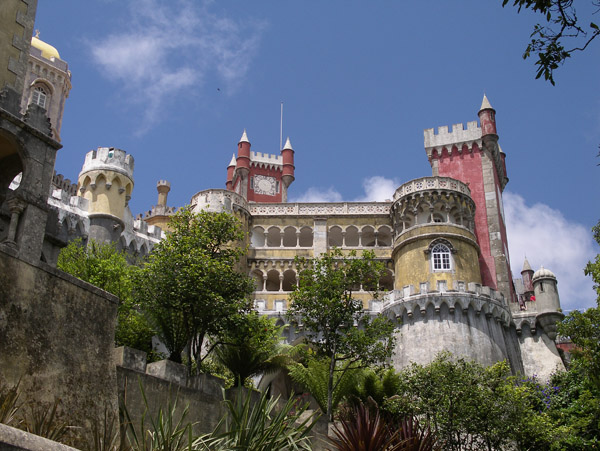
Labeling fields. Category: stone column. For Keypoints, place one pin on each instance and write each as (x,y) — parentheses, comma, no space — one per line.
(16,207)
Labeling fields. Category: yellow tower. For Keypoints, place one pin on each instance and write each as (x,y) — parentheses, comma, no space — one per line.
(106,181)
(434,242)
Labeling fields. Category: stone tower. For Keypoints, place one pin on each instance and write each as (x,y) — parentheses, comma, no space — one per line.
(261,177)
(474,157)
(47,82)
(160,214)
(439,302)
(106,181)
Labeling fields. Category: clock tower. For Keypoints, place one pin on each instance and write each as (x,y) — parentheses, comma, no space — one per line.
(261,177)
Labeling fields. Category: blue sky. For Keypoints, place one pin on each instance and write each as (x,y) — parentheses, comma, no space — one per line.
(174,83)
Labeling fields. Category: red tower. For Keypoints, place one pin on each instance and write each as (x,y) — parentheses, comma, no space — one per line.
(474,157)
(261,177)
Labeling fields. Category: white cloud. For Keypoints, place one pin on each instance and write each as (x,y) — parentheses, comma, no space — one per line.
(551,240)
(378,189)
(319,195)
(168,48)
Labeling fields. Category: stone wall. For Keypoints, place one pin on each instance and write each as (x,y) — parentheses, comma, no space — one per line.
(56,338)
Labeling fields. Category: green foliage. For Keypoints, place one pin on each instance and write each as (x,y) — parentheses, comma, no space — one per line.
(189,286)
(562,24)
(324,302)
(377,384)
(252,348)
(102,265)
(260,426)
(314,376)
(9,405)
(362,429)
(99,264)
(163,432)
(467,405)
(42,420)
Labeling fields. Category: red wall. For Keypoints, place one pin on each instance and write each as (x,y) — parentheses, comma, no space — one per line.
(276,173)
(467,167)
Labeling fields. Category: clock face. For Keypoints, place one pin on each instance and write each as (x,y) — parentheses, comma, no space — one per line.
(264,185)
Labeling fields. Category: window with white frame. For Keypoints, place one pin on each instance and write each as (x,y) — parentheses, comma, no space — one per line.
(440,258)
(39,96)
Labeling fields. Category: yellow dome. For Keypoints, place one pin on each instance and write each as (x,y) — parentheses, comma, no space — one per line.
(47,50)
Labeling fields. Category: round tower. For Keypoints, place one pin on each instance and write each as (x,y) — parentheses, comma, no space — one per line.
(106,181)
(287,178)
(439,302)
(487,118)
(434,241)
(160,214)
(230,172)
(546,291)
(243,165)
(527,277)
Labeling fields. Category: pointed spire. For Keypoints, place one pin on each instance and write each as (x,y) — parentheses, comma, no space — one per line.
(526,266)
(288,144)
(244,138)
(485,104)
(233,161)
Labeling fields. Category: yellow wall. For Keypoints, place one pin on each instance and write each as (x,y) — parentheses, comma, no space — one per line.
(103,200)
(9,29)
(413,265)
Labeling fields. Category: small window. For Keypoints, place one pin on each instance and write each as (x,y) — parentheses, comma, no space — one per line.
(251,182)
(440,257)
(39,96)
(277,187)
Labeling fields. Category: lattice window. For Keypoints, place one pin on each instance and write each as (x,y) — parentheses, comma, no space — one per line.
(39,96)
(440,256)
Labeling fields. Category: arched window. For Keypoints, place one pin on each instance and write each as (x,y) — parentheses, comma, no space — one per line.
(440,257)
(39,96)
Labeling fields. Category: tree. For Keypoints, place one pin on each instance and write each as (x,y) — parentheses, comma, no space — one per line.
(336,324)
(562,24)
(467,405)
(190,287)
(107,268)
(252,348)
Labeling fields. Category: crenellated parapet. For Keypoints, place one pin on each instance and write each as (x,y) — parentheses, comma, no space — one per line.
(482,299)
(459,137)
(432,200)
(219,200)
(108,159)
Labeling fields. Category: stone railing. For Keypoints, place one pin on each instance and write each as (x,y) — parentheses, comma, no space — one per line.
(432,183)
(325,208)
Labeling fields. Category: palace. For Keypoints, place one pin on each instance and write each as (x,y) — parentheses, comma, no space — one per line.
(442,238)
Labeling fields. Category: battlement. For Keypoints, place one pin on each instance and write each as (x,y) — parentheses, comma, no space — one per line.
(481,298)
(108,159)
(158,210)
(60,182)
(431,183)
(218,200)
(458,136)
(161,183)
(265,158)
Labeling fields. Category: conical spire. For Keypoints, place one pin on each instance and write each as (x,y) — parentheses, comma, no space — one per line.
(233,161)
(244,138)
(526,266)
(288,144)
(485,104)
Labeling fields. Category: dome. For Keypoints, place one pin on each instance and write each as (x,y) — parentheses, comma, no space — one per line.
(48,51)
(543,273)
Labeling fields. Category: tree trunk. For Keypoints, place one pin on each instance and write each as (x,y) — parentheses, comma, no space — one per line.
(330,389)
